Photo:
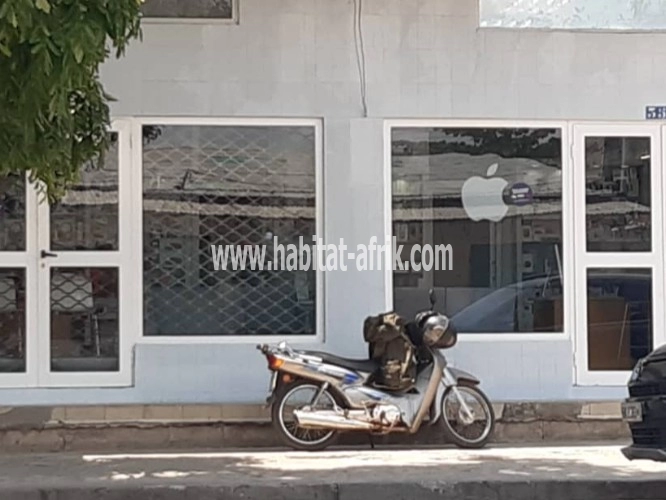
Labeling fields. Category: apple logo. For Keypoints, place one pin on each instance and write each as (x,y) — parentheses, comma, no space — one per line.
(483,198)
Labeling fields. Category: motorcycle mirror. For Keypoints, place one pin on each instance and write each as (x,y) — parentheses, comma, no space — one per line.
(433,298)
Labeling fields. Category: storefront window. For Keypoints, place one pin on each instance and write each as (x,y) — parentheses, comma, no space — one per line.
(574,14)
(495,196)
(226,187)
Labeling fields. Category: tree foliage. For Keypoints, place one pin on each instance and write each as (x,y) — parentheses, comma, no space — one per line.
(54,112)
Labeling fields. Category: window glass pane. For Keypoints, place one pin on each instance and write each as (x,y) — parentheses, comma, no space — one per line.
(495,196)
(619,317)
(12,213)
(84,319)
(617,172)
(226,186)
(12,320)
(87,216)
(220,9)
(574,14)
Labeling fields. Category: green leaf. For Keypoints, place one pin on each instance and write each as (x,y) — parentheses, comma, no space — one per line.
(78,54)
(55,111)
(43,5)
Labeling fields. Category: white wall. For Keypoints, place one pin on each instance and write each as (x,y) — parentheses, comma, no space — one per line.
(425,59)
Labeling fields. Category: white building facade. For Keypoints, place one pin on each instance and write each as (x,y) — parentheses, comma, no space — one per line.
(347,120)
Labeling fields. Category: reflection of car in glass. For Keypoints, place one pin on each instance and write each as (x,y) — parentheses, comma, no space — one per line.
(645,409)
(504,310)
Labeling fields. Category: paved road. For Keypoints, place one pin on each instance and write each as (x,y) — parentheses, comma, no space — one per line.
(514,473)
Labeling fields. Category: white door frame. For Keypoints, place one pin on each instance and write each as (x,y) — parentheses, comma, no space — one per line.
(584,259)
(37,333)
(26,260)
(120,259)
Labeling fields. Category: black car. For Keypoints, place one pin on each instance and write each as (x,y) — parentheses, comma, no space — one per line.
(645,409)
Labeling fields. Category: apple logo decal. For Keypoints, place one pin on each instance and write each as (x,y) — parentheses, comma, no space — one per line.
(483,198)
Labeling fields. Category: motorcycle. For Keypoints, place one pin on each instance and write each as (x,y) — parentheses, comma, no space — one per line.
(316,396)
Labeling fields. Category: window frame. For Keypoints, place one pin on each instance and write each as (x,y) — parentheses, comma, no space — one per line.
(567,217)
(234,19)
(137,227)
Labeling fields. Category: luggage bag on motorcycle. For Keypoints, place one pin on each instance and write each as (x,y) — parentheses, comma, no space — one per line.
(391,347)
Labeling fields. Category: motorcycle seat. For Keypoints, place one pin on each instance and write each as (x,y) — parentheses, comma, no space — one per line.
(359,365)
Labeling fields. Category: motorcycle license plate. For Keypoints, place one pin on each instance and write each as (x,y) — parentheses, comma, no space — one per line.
(632,412)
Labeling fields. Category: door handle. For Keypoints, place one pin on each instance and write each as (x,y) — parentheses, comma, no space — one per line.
(46,254)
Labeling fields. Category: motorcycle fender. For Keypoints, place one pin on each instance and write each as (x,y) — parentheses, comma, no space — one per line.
(458,375)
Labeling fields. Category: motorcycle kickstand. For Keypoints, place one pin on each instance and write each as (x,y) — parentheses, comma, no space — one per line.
(372,441)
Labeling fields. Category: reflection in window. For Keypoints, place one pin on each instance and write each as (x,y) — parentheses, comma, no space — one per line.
(84,320)
(12,213)
(210,9)
(494,195)
(618,214)
(87,216)
(226,185)
(574,14)
(619,317)
(12,320)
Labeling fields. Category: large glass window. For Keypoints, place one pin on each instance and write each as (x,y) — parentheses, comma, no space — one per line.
(495,196)
(207,186)
(574,14)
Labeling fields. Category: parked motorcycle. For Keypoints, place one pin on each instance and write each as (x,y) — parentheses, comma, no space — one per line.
(315,396)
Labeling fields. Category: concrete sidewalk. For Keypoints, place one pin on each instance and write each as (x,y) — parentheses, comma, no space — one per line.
(563,473)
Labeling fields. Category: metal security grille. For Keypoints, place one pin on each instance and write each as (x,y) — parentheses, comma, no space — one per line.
(12,320)
(12,213)
(226,185)
(84,319)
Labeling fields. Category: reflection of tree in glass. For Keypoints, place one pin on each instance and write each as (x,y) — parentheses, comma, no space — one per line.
(150,133)
(12,191)
(541,144)
(574,14)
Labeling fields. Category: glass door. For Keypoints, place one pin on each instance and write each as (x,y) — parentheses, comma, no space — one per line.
(619,249)
(17,282)
(83,245)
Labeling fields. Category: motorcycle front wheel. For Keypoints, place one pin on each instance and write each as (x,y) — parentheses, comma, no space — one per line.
(293,397)
(469,423)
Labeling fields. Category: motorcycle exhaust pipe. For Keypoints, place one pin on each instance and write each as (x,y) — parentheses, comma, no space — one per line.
(331,420)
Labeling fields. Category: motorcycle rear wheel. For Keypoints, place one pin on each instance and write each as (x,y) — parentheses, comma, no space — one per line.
(452,434)
(296,437)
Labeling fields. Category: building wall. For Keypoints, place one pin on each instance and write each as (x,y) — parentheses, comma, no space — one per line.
(424,59)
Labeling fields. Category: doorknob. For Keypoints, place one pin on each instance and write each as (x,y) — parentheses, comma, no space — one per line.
(48,254)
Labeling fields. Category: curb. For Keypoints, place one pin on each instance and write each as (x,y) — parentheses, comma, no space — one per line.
(498,490)
(104,436)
